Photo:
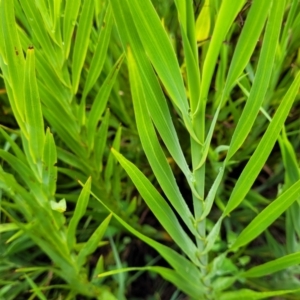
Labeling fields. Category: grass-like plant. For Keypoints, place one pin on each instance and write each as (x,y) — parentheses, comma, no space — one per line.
(213,89)
(42,65)
(152,63)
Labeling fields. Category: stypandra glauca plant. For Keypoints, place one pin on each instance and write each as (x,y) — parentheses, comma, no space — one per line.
(213,77)
(214,88)
(58,79)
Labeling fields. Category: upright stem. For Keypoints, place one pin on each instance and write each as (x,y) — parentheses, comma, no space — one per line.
(199,176)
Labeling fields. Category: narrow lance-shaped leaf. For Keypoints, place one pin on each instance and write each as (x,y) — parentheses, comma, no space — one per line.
(70,18)
(10,186)
(208,203)
(250,34)
(273,266)
(111,162)
(185,11)
(191,29)
(91,245)
(82,41)
(191,288)
(290,162)
(159,207)
(242,54)
(120,275)
(176,261)
(61,129)
(100,52)
(12,61)
(49,168)
(33,112)
(247,294)
(268,215)
(55,8)
(99,268)
(152,148)
(48,23)
(226,17)
(262,77)
(71,159)
(11,141)
(100,102)
(35,288)
(79,212)
(292,175)
(63,118)
(193,72)
(162,56)
(159,50)
(100,142)
(203,23)
(40,33)
(26,174)
(212,236)
(181,9)
(264,149)
(156,103)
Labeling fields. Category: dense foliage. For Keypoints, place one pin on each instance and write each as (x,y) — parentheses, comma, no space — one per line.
(149,149)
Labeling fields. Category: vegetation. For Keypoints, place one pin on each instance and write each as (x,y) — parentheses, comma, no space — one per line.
(149,149)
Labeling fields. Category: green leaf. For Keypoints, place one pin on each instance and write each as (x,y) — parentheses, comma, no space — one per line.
(18,152)
(263,150)
(36,289)
(100,142)
(226,17)
(242,54)
(193,73)
(156,103)
(193,289)
(72,160)
(263,73)
(264,219)
(212,236)
(161,54)
(33,112)
(152,148)
(41,35)
(98,269)
(100,53)
(189,271)
(56,85)
(78,213)
(253,295)
(273,266)
(209,201)
(4,227)
(26,174)
(159,207)
(12,61)
(47,22)
(203,23)
(100,102)
(250,34)
(121,277)
(159,50)
(71,13)
(91,245)
(82,41)
(49,168)
(290,162)
(110,169)
(15,192)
